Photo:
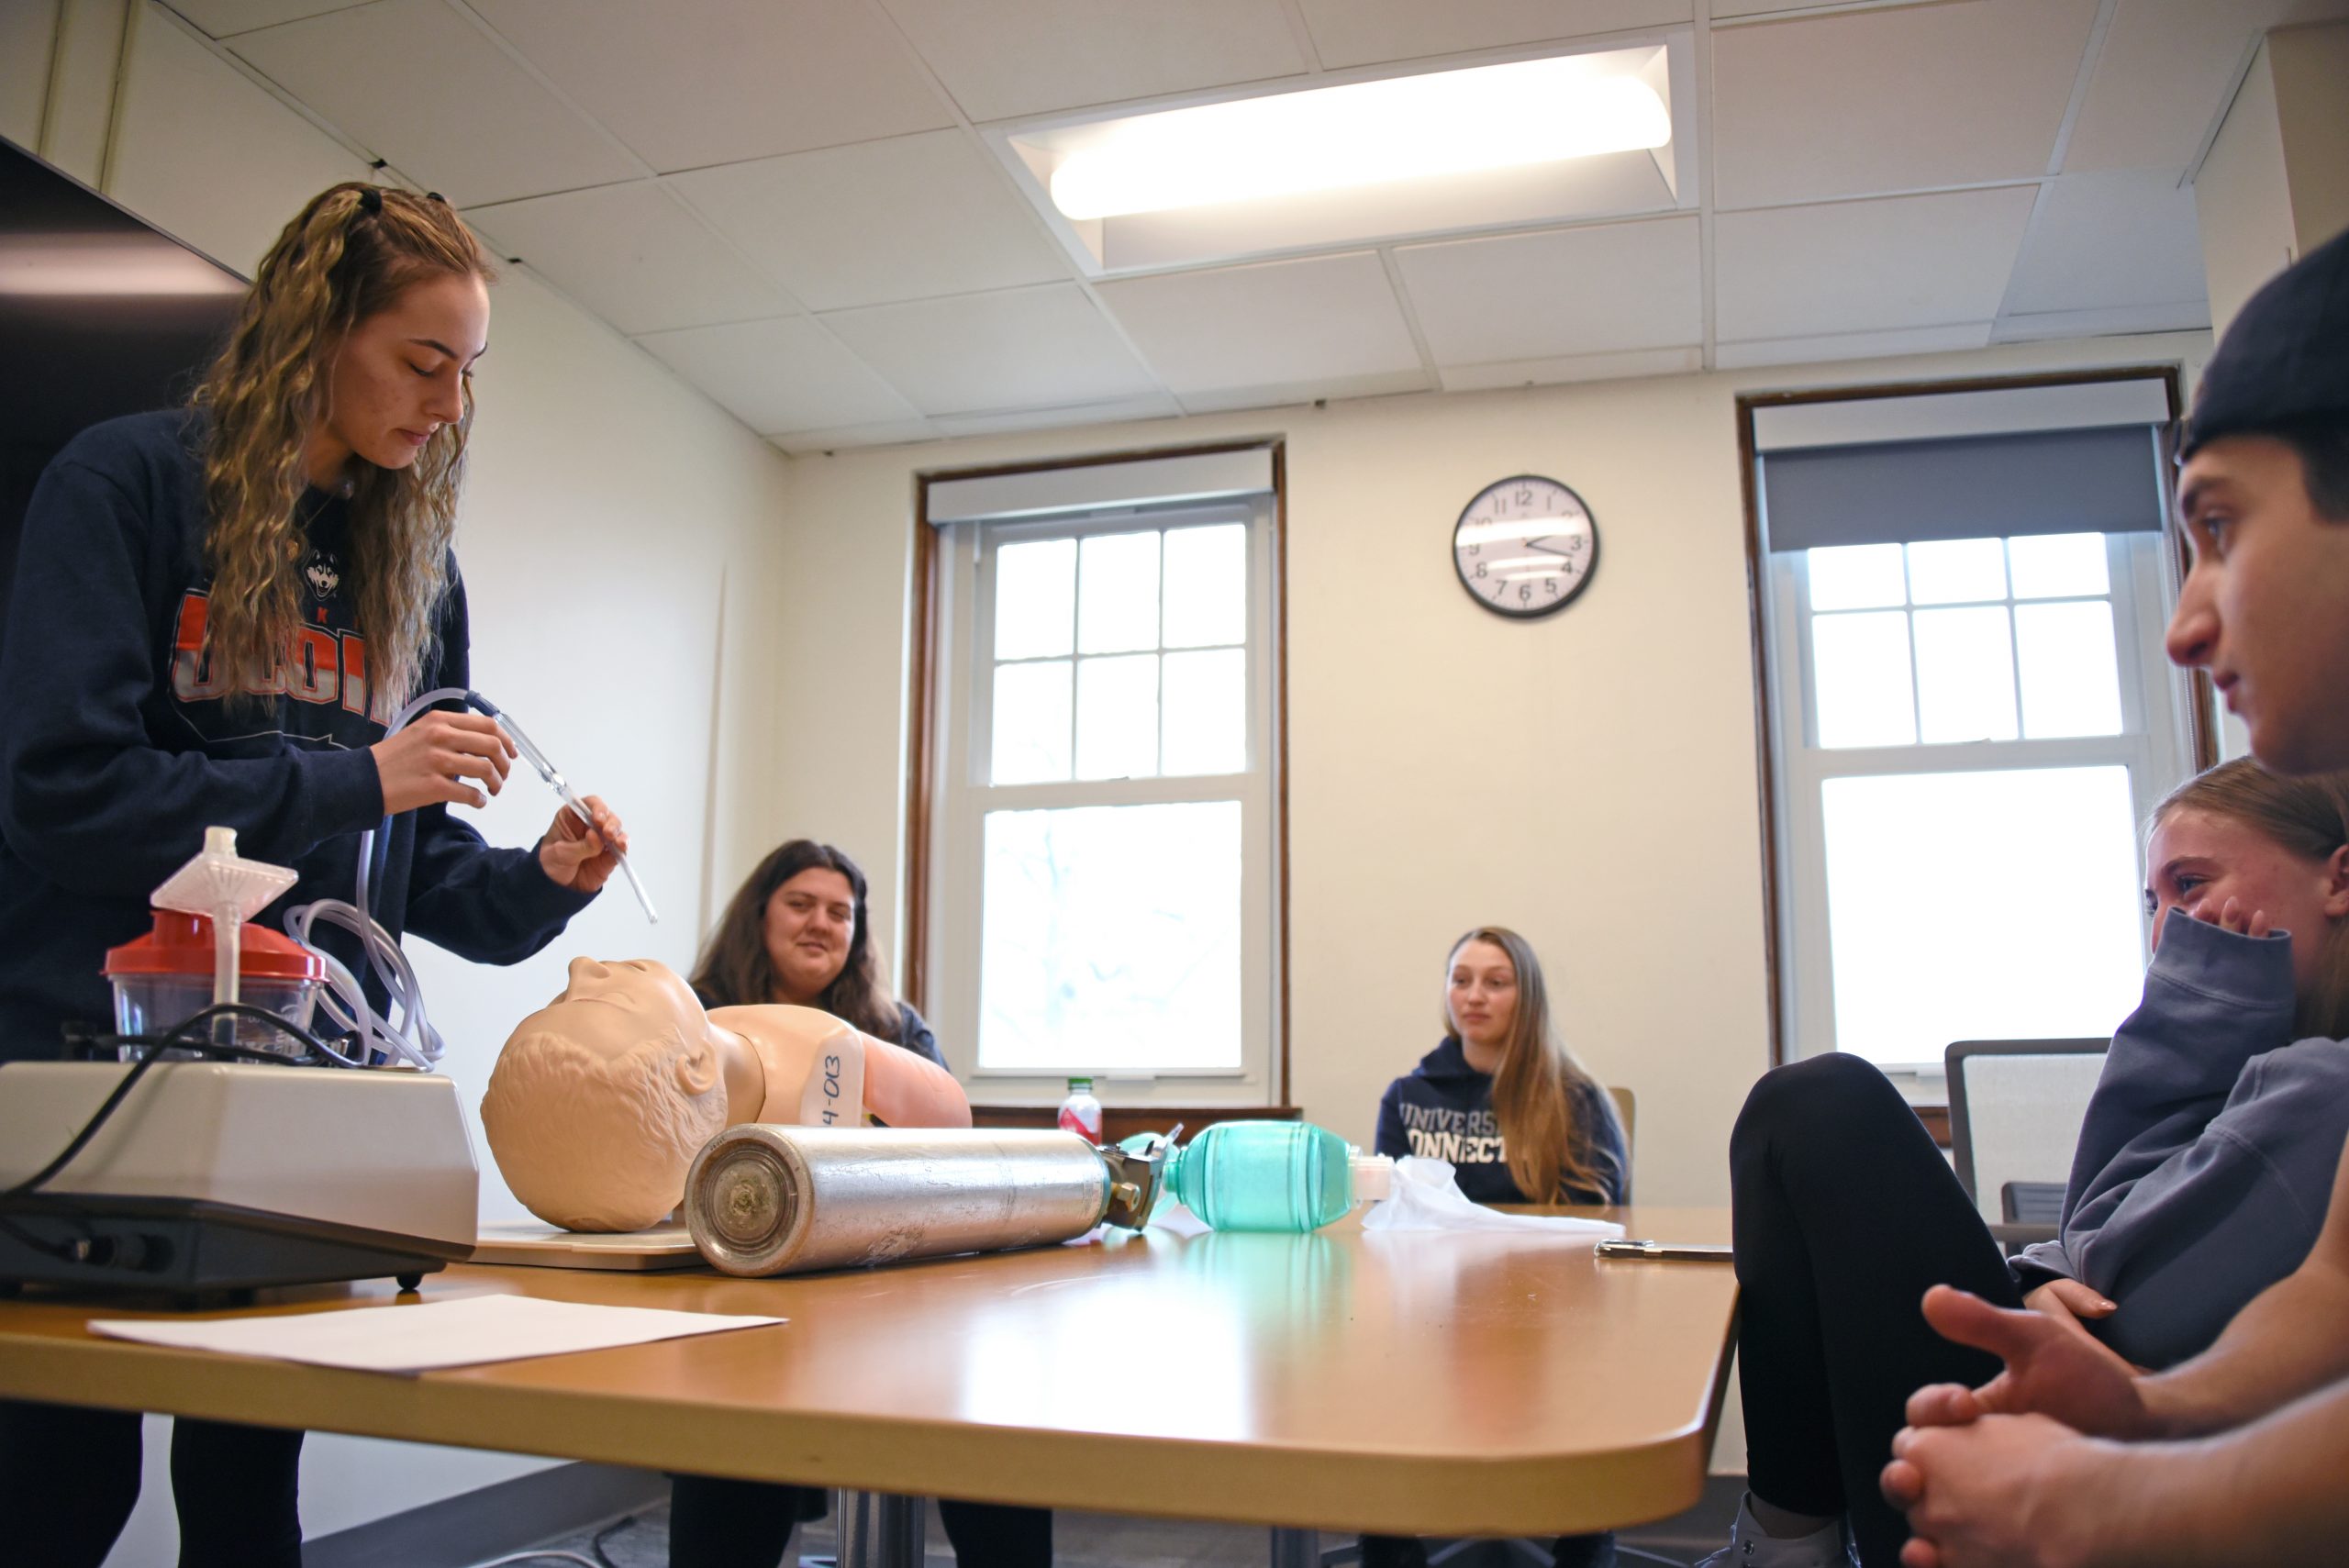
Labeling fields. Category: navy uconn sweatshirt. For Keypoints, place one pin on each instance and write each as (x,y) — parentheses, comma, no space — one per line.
(1444,1109)
(118,746)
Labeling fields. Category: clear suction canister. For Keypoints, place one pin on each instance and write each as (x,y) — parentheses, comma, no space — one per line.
(167,976)
(769,1199)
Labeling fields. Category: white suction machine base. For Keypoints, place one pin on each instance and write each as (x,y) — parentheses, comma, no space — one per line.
(228,1177)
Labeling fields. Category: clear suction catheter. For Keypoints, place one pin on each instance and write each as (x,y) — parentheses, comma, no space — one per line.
(403,1033)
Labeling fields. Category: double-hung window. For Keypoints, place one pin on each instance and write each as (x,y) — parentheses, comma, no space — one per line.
(1964,596)
(1102,864)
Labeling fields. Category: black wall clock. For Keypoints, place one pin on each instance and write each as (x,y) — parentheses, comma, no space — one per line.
(1525,547)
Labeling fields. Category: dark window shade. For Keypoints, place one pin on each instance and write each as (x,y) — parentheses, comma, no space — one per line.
(2104,481)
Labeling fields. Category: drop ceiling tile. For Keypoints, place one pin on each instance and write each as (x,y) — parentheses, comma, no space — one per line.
(2122,237)
(1831,348)
(1576,291)
(2165,74)
(1157,406)
(1863,102)
(1364,32)
(1277,324)
(1026,57)
(888,433)
(221,17)
(1866,266)
(691,83)
(913,217)
(779,375)
(1027,347)
(1572,368)
(173,80)
(419,86)
(634,255)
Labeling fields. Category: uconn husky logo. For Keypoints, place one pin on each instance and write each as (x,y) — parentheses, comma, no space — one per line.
(323,572)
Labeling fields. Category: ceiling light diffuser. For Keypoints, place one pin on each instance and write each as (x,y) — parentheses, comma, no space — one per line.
(1409,127)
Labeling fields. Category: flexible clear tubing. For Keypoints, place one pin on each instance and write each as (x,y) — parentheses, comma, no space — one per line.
(403,1033)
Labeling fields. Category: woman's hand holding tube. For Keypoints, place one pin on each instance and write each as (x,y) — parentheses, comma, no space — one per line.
(429,762)
(579,857)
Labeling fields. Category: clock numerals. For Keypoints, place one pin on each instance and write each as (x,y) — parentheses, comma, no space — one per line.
(1545,542)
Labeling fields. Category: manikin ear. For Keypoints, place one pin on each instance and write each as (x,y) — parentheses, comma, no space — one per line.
(2336,883)
(697,1069)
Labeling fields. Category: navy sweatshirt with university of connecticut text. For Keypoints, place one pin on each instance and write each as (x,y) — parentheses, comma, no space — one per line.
(1443,1109)
(118,746)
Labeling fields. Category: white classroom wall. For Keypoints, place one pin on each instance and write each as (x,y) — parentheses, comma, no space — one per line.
(608,510)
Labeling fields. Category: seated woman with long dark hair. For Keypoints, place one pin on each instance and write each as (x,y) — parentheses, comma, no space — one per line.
(2201,1175)
(795,932)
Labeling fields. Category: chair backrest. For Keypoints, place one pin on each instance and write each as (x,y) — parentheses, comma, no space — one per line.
(2015,1110)
(1627,1111)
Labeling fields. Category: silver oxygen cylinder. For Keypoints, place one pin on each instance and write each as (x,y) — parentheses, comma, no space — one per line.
(769,1199)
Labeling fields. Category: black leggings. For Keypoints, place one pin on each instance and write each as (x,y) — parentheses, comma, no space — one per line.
(718,1523)
(69,1478)
(1845,1213)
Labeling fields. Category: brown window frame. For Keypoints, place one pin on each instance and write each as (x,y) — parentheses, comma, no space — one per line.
(928,659)
(2203,731)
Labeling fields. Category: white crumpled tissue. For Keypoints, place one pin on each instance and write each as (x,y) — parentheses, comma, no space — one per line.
(1426,1196)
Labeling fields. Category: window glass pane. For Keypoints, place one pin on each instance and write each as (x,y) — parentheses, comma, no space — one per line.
(1957,570)
(1207,586)
(2071,674)
(1856,577)
(1035,599)
(1109,937)
(1117,717)
(1206,712)
(1030,721)
(1965,675)
(1860,678)
(2059,566)
(1927,941)
(1117,609)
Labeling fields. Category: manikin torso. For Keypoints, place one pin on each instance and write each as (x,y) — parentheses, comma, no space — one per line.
(601,1099)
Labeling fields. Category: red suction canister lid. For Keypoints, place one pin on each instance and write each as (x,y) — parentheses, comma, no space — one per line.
(181,945)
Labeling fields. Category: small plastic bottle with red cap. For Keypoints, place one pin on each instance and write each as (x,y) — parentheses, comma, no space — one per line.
(1081,1113)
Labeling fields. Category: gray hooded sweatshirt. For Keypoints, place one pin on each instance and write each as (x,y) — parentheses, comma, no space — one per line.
(2208,1155)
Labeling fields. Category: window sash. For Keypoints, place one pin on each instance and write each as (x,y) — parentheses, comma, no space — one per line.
(966,797)
(2153,745)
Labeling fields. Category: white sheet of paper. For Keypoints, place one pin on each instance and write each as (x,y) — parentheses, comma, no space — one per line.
(464,1332)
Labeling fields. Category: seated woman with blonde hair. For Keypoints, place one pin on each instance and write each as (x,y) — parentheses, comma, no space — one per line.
(1502,1099)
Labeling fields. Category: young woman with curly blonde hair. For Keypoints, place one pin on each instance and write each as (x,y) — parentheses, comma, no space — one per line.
(216,612)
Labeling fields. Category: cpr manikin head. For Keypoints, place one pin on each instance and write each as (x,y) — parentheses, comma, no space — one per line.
(602,1098)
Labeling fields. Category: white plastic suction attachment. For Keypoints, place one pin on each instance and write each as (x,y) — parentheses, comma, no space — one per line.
(227,889)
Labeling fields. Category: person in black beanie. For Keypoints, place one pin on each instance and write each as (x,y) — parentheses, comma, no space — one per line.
(2236,1455)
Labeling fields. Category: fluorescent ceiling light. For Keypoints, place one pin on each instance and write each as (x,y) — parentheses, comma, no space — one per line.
(93,265)
(1408,127)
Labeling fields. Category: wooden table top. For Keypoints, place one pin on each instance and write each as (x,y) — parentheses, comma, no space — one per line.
(1426,1384)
